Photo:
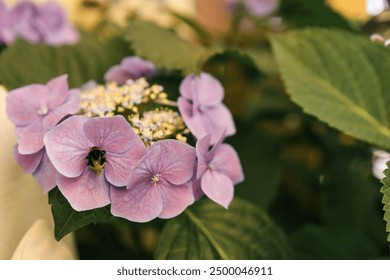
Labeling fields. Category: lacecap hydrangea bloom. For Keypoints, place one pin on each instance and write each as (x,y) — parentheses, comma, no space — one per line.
(125,145)
(34,110)
(36,23)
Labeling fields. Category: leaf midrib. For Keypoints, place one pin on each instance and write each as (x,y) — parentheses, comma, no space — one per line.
(207,234)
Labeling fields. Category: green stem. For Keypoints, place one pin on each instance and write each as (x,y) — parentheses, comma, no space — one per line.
(208,235)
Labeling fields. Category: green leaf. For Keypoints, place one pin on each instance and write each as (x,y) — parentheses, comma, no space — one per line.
(163,47)
(386,198)
(208,231)
(339,77)
(66,219)
(304,13)
(24,63)
(261,162)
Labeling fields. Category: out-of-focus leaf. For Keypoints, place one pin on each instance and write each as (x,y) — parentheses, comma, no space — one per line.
(163,47)
(209,231)
(66,219)
(304,13)
(23,63)
(260,159)
(339,77)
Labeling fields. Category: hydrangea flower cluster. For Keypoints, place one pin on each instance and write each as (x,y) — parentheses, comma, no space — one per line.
(125,145)
(43,23)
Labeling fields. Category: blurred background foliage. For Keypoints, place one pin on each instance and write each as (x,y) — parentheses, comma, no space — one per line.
(315,182)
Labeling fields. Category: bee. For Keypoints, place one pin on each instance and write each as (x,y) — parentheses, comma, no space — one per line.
(96,159)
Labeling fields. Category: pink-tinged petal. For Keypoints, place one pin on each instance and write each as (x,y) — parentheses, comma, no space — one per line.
(186,87)
(208,90)
(144,170)
(218,120)
(46,174)
(218,187)
(175,162)
(86,192)
(119,166)
(227,161)
(261,8)
(30,137)
(197,189)
(202,152)
(28,163)
(70,106)
(67,146)
(116,74)
(58,88)
(194,122)
(23,104)
(137,67)
(142,203)
(175,199)
(112,134)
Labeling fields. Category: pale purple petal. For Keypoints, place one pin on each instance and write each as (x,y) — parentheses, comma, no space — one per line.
(24,103)
(67,146)
(144,170)
(218,120)
(132,67)
(218,187)
(261,8)
(86,192)
(141,203)
(194,122)
(112,134)
(119,166)
(22,21)
(202,152)
(175,199)
(227,161)
(197,189)
(186,87)
(6,34)
(70,106)
(52,23)
(175,162)
(30,137)
(29,163)
(208,90)
(46,174)
(58,88)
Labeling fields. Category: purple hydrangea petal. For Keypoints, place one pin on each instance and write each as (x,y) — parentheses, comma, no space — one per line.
(118,167)
(202,152)
(197,189)
(176,199)
(53,25)
(30,138)
(85,192)
(176,172)
(261,8)
(112,134)
(227,162)
(6,34)
(22,21)
(29,163)
(46,174)
(219,120)
(58,88)
(67,146)
(205,89)
(70,106)
(141,203)
(218,187)
(24,104)
(132,67)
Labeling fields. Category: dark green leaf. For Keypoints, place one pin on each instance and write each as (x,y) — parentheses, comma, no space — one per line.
(66,219)
(24,63)
(339,77)
(163,47)
(304,13)
(208,231)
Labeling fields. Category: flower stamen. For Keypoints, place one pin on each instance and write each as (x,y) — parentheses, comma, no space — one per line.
(155,179)
(96,159)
